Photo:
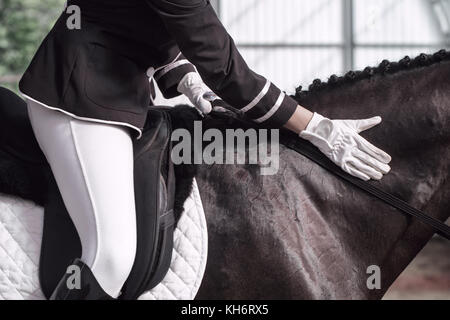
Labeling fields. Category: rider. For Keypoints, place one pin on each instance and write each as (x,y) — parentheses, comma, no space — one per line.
(87,94)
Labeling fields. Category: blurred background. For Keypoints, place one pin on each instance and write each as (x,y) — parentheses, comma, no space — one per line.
(23,25)
(291,42)
(294,41)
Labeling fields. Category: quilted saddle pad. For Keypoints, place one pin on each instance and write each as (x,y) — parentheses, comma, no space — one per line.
(21,224)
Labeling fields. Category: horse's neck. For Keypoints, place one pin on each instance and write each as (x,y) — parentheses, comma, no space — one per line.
(415,106)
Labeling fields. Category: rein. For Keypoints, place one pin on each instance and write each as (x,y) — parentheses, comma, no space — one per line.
(309,151)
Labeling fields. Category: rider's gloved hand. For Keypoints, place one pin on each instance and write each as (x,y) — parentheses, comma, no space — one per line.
(340,141)
(194,88)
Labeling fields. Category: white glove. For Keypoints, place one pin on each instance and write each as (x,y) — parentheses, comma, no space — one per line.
(340,141)
(193,87)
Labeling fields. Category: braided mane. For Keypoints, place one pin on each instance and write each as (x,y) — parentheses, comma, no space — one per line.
(385,67)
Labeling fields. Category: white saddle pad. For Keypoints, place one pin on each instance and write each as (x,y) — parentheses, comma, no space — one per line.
(21,224)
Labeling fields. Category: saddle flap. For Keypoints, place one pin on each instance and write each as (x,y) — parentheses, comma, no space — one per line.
(154,195)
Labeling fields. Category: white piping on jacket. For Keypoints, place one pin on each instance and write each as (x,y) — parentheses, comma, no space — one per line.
(273,109)
(86,119)
(258,98)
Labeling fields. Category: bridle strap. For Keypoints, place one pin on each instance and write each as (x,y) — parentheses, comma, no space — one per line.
(308,150)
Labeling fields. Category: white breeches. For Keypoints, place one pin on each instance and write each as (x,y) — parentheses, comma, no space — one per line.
(93,167)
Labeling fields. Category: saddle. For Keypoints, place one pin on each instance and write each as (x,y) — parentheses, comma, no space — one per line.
(154,180)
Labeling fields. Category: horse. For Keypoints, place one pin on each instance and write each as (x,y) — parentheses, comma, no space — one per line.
(303,233)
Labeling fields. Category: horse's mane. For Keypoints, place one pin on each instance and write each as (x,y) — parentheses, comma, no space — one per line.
(385,67)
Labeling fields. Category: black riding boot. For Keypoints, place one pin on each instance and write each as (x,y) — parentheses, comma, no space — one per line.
(88,287)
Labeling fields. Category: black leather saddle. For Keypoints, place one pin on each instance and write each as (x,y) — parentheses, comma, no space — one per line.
(30,177)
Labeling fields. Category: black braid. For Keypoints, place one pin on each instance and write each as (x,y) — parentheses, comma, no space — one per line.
(385,67)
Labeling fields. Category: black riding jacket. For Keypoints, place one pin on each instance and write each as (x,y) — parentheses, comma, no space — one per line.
(101,70)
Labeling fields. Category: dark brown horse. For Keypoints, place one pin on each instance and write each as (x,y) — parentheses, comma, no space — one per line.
(303,233)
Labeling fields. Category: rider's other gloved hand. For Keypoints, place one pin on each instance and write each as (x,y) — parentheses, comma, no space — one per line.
(194,88)
(340,141)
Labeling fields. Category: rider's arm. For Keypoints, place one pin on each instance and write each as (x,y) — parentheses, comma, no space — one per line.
(181,77)
(169,77)
(205,42)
